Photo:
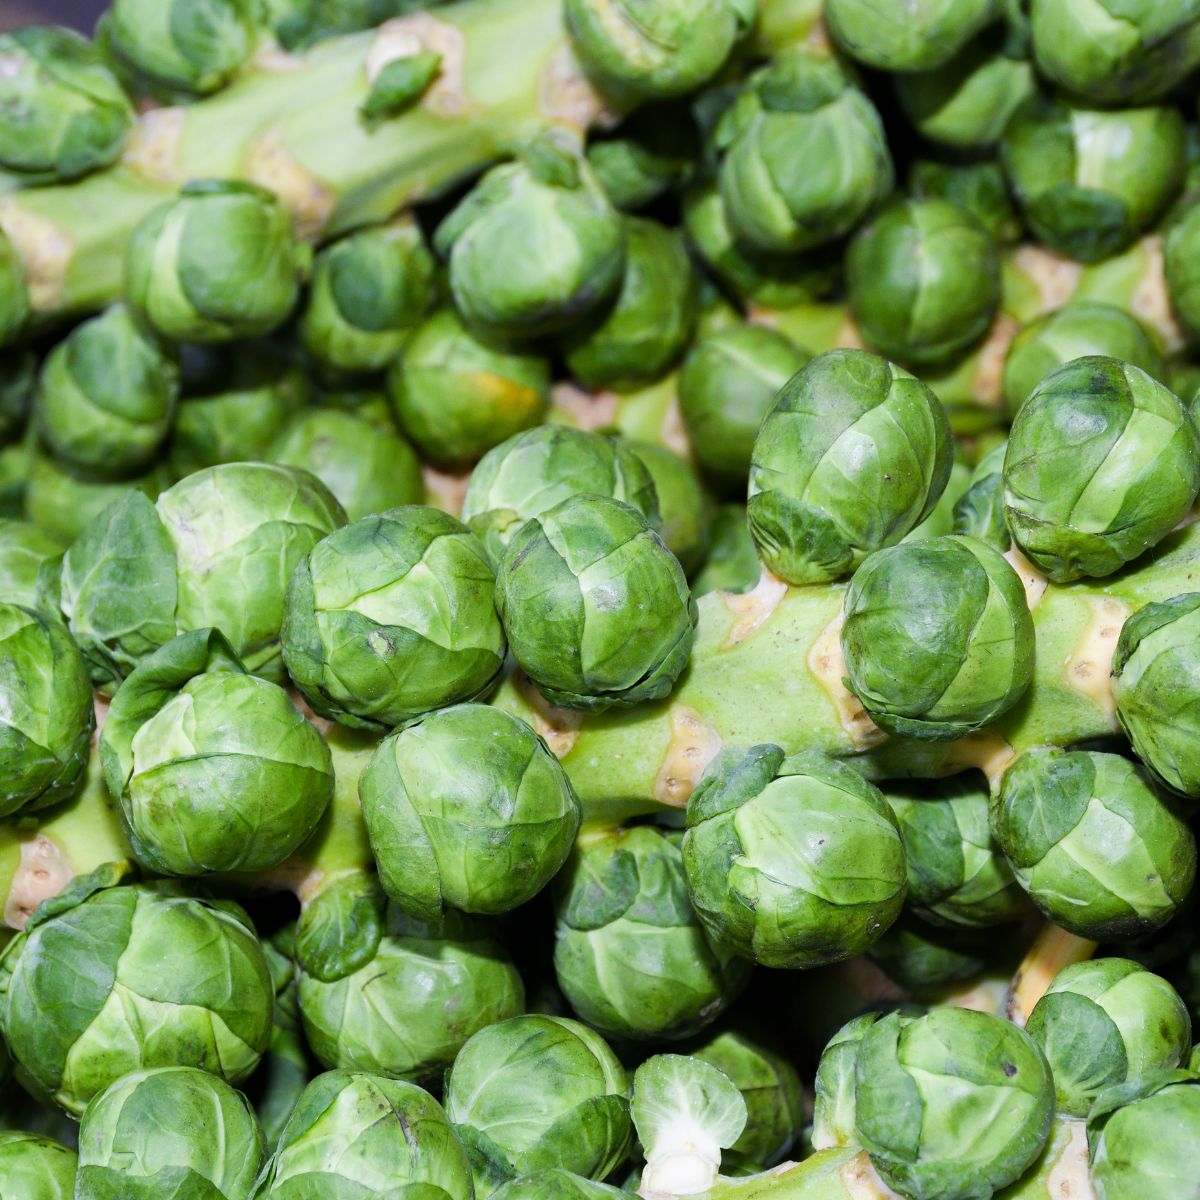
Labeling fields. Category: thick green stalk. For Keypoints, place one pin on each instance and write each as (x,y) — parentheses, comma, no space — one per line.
(292,124)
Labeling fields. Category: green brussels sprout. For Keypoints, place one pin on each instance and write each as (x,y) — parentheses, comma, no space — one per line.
(46,702)
(853,456)
(638,51)
(406,994)
(457,396)
(1107,1022)
(355,1134)
(18,377)
(630,954)
(62,111)
(727,387)
(1116,51)
(979,188)
(685,506)
(156,978)
(923,959)
(793,863)
(1090,181)
(216,263)
(803,157)
(556,1184)
(771,1088)
(1142,1137)
(1102,463)
(534,1092)
(754,276)
(1097,849)
(957,875)
(650,154)
(391,617)
(235,402)
(649,324)
(965,103)
(25,553)
(367,469)
(834,1112)
(369,291)
(906,35)
(1084,329)
(534,471)
(467,809)
(180,46)
(1156,684)
(923,280)
(938,637)
(107,396)
(597,610)
(535,246)
(979,511)
(154,1131)
(1179,262)
(36,1168)
(213,769)
(953,1103)
(732,564)
(216,550)
(14,294)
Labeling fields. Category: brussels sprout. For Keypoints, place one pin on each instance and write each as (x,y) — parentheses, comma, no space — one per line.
(956,873)
(367,469)
(638,51)
(1102,463)
(906,35)
(62,112)
(18,376)
(1083,329)
(954,1103)
(938,637)
(1142,1137)
(25,553)
(216,263)
(978,188)
(154,1131)
(596,609)
(834,1111)
(36,1168)
(156,978)
(14,294)
(979,511)
(107,396)
(216,550)
(1156,683)
(457,396)
(1099,852)
(1116,51)
(1180,258)
(638,339)
(1090,181)
(555,1184)
(1107,1022)
(467,809)
(536,1092)
(355,1134)
(391,617)
(536,470)
(732,564)
(727,386)
(651,153)
(803,157)
(630,953)
(965,103)
(236,400)
(754,276)
(213,769)
(771,1088)
(535,246)
(685,506)
(369,291)
(792,863)
(188,46)
(854,455)
(407,994)
(46,703)
(924,281)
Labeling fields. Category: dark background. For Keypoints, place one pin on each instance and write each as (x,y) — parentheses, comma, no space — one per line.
(80,13)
